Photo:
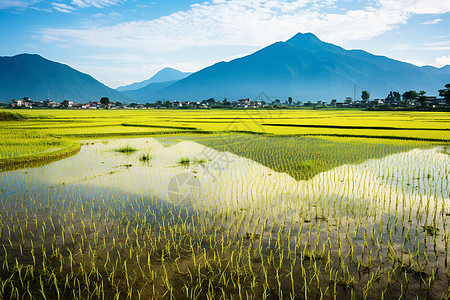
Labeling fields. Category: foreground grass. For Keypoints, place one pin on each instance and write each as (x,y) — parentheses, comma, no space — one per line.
(9,116)
(39,159)
(21,149)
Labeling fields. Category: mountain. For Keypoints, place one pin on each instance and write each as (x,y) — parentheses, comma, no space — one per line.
(165,75)
(143,95)
(30,75)
(305,68)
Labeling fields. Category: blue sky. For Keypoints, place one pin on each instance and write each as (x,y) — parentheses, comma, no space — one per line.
(123,41)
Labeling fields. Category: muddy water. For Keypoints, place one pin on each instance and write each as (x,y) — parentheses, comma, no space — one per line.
(98,167)
(421,176)
(385,217)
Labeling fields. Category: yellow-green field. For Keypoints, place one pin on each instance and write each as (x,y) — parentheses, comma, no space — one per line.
(47,131)
(417,125)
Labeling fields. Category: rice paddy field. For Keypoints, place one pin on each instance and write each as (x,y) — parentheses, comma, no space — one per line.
(224,204)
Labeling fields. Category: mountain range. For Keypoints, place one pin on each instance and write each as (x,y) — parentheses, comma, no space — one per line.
(30,75)
(303,67)
(146,93)
(165,75)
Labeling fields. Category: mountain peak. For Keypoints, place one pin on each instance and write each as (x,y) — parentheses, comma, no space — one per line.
(304,36)
(24,56)
(169,69)
(164,75)
(167,74)
(310,42)
(305,40)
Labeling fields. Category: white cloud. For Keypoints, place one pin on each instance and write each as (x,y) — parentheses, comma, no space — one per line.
(442,48)
(437,46)
(417,6)
(432,22)
(401,47)
(95,3)
(443,61)
(80,3)
(442,43)
(111,15)
(15,3)
(237,22)
(42,9)
(62,7)
(248,23)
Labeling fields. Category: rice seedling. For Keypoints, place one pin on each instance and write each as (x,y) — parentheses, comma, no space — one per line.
(352,228)
(184,161)
(126,149)
(145,157)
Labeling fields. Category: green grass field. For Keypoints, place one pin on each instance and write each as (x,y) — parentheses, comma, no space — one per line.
(56,131)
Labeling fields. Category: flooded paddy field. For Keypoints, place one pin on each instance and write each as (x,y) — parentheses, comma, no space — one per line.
(204,217)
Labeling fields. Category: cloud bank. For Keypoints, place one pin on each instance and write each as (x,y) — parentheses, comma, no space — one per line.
(238,22)
(4,4)
(61,6)
(246,23)
(443,61)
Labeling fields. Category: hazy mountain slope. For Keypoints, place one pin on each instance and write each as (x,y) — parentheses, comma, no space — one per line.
(167,74)
(30,75)
(143,95)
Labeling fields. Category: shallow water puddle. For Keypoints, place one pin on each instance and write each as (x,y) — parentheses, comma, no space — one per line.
(205,173)
(214,178)
(372,228)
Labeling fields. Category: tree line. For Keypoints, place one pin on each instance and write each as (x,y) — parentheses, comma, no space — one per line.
(411,96)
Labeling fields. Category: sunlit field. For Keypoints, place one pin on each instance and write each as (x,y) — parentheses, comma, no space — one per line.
(176,204)
(432,126)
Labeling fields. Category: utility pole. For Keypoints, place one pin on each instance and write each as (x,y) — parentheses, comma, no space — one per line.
(354,92)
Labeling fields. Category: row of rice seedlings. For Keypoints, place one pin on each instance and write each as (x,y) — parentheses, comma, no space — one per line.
(111,245)
(293,155)
(17,142)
